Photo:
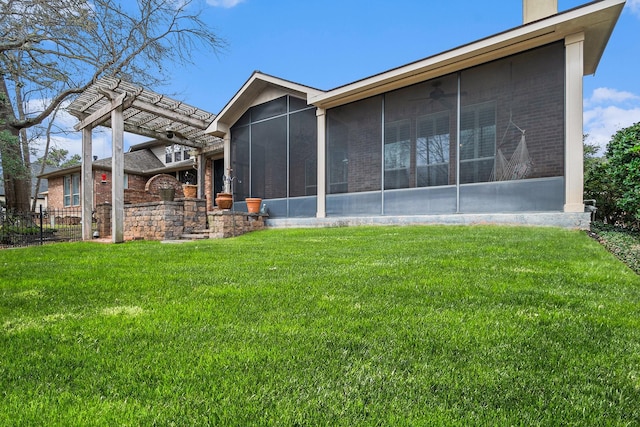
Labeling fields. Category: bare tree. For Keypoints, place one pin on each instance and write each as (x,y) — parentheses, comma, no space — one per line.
(52,50)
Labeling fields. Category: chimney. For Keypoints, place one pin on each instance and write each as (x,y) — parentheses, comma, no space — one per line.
(533,10)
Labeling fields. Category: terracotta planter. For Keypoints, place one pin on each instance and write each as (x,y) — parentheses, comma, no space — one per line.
(190,191)
(224,200)
(167,194)
(253,204)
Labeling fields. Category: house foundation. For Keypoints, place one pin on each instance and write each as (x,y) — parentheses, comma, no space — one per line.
(571,221)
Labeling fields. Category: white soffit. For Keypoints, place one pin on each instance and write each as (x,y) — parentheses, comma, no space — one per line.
(596,20)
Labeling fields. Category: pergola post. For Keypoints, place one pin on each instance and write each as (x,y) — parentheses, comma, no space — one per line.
(124,107)
(86,183)
(117,175)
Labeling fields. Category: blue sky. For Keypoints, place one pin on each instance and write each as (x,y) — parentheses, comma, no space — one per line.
(329,43)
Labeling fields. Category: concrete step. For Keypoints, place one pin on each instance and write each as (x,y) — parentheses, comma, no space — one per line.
(196,235)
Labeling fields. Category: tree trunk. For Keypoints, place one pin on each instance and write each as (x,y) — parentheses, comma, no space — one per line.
(17,177)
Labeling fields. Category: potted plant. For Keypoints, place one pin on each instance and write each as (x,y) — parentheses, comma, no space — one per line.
(189,189)
(253,204)
(224,200)
(167,193)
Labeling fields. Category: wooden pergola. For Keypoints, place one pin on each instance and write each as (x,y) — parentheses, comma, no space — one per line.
(125,107)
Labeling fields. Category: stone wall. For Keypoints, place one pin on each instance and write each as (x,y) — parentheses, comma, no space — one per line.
(158,220)
(170,220)
(225,223)
(195,215)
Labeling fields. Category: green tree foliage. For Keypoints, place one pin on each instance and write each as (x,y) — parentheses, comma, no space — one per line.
(57,157)
(53,50)
(598,186)
(623,156)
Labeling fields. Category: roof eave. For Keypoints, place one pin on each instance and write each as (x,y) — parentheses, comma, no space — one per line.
(596,20)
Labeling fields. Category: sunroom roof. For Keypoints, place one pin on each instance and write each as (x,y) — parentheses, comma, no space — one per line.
(596,20)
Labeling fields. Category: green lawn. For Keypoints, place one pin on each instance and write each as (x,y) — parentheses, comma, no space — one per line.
(342,326)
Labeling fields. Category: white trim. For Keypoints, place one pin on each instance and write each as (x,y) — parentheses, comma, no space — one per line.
(245,98)
(573,167)
(321,185)
(596,19)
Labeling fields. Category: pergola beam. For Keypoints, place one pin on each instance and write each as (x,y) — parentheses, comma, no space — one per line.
(102,114)
(169,114)
(161,136)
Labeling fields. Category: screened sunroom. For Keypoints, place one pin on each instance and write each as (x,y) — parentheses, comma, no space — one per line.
(491,130)
(486,139)
(274,156)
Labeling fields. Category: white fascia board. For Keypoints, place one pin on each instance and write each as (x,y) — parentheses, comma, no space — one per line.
(243,99)
(513,41)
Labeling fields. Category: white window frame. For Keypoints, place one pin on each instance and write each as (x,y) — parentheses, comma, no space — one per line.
(425,142)
(71,190)
(473,136)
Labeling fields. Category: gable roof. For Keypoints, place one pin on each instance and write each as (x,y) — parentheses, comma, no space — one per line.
(138,162)
(596,20)
(141,162)
(249,95)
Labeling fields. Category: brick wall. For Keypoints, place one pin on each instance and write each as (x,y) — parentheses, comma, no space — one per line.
(55,199)
(101,191)
(163,181)
(208,183)
(135,193)
(139,196)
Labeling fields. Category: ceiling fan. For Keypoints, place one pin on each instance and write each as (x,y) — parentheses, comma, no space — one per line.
(439,95)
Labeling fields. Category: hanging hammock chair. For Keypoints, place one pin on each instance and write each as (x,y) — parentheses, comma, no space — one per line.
(519,166)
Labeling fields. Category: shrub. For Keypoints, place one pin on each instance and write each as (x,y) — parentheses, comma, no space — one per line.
(598,186)
(623,159)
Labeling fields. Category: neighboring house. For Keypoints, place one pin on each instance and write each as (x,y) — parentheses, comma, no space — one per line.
(141,163)
(494,126)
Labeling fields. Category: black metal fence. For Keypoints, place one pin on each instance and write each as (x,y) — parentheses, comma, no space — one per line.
(36,228)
